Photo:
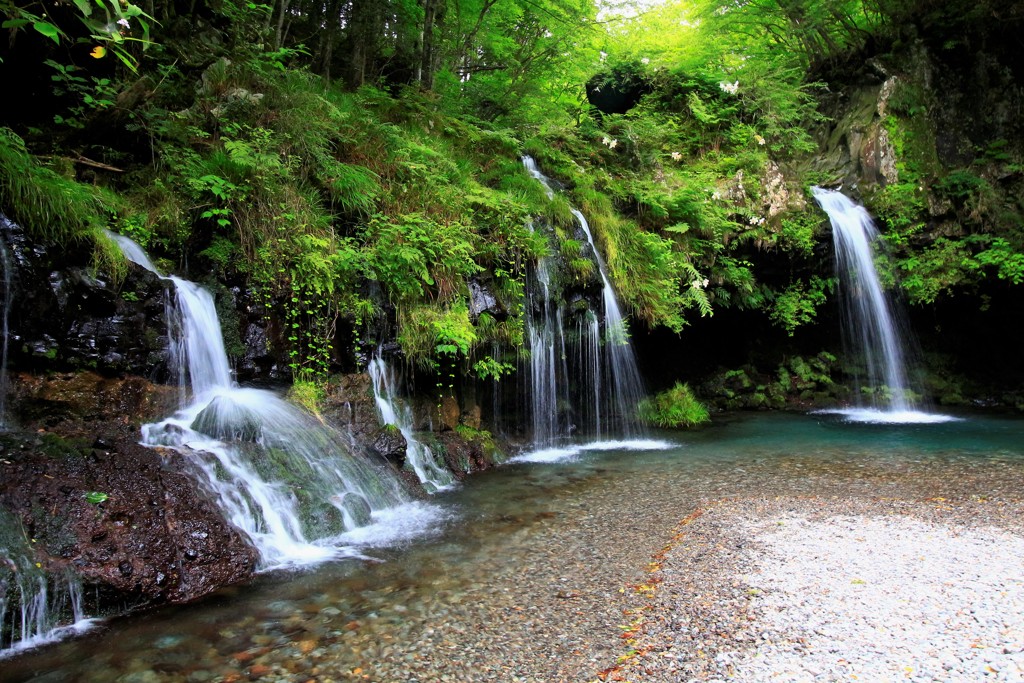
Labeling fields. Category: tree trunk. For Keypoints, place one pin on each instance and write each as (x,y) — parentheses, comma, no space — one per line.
(279,33)
(425,71)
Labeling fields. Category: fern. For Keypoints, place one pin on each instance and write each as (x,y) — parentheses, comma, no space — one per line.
(50,207)
(674,408)
(354,189)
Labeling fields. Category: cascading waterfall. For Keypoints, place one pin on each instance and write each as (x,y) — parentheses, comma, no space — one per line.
(620,362)
(417,455)
(547,345)
(598,379)
(285,479)
(871,326)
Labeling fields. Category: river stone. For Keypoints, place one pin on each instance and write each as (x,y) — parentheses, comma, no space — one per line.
(391,444)
(356,507)
(226,420)
(154,538)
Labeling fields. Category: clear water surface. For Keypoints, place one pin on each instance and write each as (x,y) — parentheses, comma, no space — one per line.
(452,600)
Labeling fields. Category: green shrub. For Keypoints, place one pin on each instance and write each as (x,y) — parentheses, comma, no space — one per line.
(674,408)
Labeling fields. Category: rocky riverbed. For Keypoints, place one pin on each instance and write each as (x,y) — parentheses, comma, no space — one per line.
(763,550)
(836,589)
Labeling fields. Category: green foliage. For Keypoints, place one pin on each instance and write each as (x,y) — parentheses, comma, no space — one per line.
(1007,261)
(674,408)
(429,334)
(959,185)
(112,25)
(308,394)
(48,205)
(91,95)
(489,368)
(798,304)
(413,254)
(900,207)
(96,497)
(937,268)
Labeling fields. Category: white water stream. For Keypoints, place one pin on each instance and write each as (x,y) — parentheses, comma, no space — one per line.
(871,326)
(288,481)
(584,380)
(417,454)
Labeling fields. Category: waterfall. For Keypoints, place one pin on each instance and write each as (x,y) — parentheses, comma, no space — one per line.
(35,608)
(620,362)
(289,482)
(871,326)
(417,455)
(547,344)
(588,375)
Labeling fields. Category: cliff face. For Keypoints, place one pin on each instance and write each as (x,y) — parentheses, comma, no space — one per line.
(64,315)
(931,139)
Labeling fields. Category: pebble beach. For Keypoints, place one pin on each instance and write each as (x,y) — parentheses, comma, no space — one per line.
(834,590)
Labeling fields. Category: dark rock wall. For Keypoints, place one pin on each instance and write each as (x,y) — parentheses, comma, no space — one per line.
(66,316)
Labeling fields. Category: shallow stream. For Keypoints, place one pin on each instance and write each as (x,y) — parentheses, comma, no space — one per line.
(524,575)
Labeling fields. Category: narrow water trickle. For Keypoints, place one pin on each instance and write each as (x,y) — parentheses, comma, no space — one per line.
(872,328)
(417,454)
(584,380)
(35,607)
(288,481)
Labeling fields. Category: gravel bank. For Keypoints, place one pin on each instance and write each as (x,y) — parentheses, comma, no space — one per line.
(835,590)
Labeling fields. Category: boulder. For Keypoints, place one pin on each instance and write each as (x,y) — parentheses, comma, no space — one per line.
(123,517)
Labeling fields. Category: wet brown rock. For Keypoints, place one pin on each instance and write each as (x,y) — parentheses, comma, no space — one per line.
(67,400)
(391,445)
(449,412)
(464,453)
(151,537)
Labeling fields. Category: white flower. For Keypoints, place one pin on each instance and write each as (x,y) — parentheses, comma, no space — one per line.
(760,140)
(645,60)
(731,88)
(676,156)
(123,22)
(716,195)
(607,141)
